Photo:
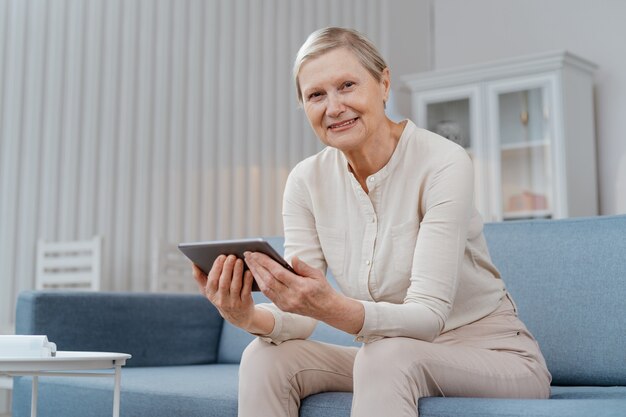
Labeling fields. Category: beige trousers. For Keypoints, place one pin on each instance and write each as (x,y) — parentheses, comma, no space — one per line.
(492,357)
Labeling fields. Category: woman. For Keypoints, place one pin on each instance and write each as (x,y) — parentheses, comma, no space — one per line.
(388,208)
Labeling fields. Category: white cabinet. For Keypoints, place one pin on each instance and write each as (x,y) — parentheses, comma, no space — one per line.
(528,125)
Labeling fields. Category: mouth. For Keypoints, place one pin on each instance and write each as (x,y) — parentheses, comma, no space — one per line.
(346,124)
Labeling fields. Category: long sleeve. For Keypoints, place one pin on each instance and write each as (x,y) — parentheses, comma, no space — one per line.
(437,258)
(301,240)
(287,326)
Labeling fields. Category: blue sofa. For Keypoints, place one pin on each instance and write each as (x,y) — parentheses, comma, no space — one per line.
(568,278)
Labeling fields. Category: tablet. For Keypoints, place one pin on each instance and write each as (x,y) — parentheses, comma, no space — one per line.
(204,254)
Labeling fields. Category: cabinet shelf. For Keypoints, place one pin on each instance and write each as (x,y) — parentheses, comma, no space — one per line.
(527,214)
(522,146)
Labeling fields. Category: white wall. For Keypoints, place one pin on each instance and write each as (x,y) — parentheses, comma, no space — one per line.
(473,31)
(408,44)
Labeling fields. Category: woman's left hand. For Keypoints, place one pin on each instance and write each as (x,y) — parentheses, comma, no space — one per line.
(307,292)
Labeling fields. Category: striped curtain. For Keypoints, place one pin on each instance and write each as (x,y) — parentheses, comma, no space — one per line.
(140,120)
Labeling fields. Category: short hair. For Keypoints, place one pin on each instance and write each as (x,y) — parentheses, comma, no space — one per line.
(326,39)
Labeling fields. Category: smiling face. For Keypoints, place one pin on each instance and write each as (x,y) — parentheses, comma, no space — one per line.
(343,101)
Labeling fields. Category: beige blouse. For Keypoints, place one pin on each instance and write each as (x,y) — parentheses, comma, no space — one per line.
(411,250)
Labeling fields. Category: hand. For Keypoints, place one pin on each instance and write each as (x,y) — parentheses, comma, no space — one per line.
(228,289)
(306,293)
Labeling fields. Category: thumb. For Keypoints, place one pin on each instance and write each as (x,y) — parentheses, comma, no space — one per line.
(302,268)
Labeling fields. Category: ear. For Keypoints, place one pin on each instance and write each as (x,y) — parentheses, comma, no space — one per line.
(385,83)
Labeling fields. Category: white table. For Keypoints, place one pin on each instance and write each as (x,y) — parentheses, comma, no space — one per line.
(62,365)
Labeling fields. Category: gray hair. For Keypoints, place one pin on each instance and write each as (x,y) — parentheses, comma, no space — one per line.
(326,39)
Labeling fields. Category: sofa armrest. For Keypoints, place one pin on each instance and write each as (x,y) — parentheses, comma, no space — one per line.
(157,329)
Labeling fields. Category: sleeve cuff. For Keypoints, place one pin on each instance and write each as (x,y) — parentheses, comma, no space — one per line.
(287,326)
(370,323)
(272,337)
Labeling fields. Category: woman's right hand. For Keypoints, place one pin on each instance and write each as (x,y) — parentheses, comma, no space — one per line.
(229,289)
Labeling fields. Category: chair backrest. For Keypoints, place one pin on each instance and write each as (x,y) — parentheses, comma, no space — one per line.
(69,265)
(171,270)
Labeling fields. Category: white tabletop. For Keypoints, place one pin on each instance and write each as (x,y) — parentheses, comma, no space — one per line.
(65,360)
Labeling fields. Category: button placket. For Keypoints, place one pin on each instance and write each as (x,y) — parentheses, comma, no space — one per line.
(369,238)
(371,232)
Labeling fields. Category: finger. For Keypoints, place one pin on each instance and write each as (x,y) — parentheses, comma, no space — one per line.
(264,264)
(266,280)
(237,279)
(199,276)
(255,269)
(214,274)
(302,268)
(227,275)
(246,290)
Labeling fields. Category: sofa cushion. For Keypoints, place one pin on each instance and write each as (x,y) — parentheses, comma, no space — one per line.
(568,283)
(165,391)
(125,322)
(573,393)
(211,391)
(580,401)
(489,407)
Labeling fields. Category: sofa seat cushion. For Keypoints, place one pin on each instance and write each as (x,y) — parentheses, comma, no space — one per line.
(211,390)
(488,407)
(565,402)
(169,391)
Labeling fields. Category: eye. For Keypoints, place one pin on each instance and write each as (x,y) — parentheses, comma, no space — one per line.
(314,96)
(347,85)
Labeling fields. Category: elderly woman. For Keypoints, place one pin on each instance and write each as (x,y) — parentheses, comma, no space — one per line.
(388,207)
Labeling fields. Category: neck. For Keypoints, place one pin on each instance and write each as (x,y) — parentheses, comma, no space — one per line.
(375,154)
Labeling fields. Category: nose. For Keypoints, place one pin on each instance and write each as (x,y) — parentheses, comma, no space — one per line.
(335,106)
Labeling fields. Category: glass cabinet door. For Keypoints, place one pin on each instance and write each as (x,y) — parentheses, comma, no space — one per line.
(455,114)
(451,119)
(524,143)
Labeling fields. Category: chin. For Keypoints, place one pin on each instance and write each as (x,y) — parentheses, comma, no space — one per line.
(344,145)
(346,141)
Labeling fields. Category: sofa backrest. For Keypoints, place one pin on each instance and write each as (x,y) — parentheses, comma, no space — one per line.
(568,279)
(156,329)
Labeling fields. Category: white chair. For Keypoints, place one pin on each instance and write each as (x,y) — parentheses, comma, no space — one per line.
(6,388)
(75,265)
(171,270)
